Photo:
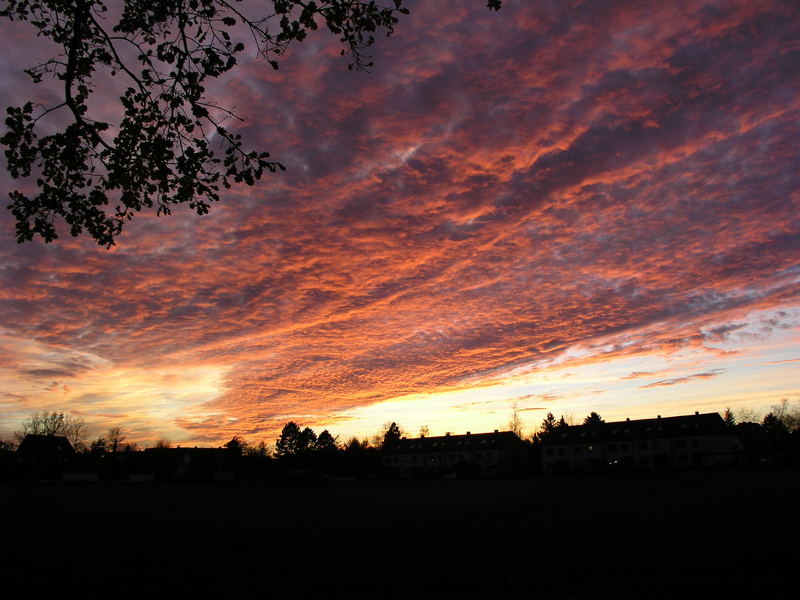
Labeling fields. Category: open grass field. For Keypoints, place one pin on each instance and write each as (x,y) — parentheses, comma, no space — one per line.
(643,535)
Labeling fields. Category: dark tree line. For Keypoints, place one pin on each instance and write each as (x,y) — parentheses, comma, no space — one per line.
(300,451)
(776,438)
(297,442)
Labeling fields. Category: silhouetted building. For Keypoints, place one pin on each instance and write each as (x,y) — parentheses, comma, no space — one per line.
(698,440)
(44,456)
(471,454)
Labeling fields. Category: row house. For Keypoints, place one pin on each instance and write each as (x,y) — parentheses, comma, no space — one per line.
(698,440)
(494,453)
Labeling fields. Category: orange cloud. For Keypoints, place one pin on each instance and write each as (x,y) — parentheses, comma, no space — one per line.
(502,192)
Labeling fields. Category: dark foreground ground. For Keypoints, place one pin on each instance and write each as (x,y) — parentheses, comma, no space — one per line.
(654,535)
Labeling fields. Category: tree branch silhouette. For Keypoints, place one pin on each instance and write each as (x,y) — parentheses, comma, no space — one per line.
(171,145)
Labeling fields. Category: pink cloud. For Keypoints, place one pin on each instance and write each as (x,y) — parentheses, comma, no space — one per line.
(500,189)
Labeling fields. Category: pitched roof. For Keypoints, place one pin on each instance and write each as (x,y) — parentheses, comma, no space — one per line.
(499,440)
(640,429)
(45,445)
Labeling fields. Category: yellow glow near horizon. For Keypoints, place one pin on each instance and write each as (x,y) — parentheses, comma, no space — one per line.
(680,384)
(144,401)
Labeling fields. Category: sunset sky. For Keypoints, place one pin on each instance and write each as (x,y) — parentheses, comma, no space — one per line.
(559,207)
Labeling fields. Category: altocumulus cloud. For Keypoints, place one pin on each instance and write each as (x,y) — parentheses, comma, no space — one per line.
(502,188)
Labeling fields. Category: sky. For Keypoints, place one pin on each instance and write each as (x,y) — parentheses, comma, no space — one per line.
(564,206)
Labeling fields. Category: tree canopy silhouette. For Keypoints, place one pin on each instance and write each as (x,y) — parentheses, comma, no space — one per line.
(295,441)
(593,420)
(549,426)
(289,443)
(392,435)
(47,422)
(160,153)
(325,442)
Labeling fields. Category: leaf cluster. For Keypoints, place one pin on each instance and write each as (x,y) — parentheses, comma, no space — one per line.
(171,145)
